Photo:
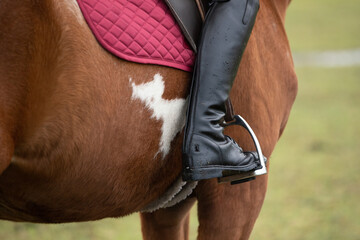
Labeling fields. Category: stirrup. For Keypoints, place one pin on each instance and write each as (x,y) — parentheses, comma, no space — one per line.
(245,176)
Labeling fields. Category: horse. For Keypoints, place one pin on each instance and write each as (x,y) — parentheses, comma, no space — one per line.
(85,135)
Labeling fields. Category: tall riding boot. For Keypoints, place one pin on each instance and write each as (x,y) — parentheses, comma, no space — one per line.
(207,152)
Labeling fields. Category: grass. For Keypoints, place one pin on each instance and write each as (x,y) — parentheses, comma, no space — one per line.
(314,184)
(314,179)
(323,24)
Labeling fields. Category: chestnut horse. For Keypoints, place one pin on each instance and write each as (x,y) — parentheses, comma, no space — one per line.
(85,136)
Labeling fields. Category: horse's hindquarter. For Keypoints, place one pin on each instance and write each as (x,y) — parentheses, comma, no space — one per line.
(94,138)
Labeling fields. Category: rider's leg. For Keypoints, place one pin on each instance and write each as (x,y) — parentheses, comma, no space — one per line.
(207,152)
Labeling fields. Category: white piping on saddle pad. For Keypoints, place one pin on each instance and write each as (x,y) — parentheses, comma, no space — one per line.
(178,192)
(171,112)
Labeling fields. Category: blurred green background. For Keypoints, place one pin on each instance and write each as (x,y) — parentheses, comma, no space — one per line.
(314,183)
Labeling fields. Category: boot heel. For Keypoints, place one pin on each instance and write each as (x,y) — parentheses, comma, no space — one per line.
(240,177)
(201,174)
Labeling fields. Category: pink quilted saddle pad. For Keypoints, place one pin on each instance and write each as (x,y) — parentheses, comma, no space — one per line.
(141,31)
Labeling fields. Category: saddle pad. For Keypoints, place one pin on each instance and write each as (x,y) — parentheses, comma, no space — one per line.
(142,31)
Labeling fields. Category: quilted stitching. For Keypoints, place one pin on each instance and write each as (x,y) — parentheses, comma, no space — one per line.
(138,30)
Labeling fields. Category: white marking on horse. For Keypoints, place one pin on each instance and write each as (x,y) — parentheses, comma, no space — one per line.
(171,112)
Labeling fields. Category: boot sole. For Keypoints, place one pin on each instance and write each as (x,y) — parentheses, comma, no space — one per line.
(218,172)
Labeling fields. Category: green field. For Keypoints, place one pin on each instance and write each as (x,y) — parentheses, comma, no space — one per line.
(314,185)
(323,24)
(314,182)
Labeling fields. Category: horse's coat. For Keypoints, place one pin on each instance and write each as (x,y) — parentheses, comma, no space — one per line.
(170,112)
(83,144)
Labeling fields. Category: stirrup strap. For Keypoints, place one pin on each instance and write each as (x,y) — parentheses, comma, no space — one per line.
(202,9)
(229,111)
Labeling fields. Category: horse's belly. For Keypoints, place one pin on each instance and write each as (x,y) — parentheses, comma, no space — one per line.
(92,171)
(87,193)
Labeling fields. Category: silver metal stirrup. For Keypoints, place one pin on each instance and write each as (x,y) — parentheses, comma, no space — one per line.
(251,174)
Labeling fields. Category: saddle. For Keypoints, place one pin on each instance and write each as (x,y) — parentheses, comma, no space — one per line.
(190,15)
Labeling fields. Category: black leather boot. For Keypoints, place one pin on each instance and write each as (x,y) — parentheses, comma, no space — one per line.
(207,152)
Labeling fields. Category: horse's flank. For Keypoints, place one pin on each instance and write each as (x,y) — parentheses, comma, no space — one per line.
(71,115)
(84,141)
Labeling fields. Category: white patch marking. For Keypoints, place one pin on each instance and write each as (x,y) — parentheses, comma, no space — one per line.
(171,112)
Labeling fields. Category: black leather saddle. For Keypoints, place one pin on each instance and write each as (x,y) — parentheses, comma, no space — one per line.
(190,15)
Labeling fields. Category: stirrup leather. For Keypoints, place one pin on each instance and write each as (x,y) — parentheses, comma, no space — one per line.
(245,176)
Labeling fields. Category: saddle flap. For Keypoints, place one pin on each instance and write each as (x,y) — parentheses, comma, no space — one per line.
(187,14)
